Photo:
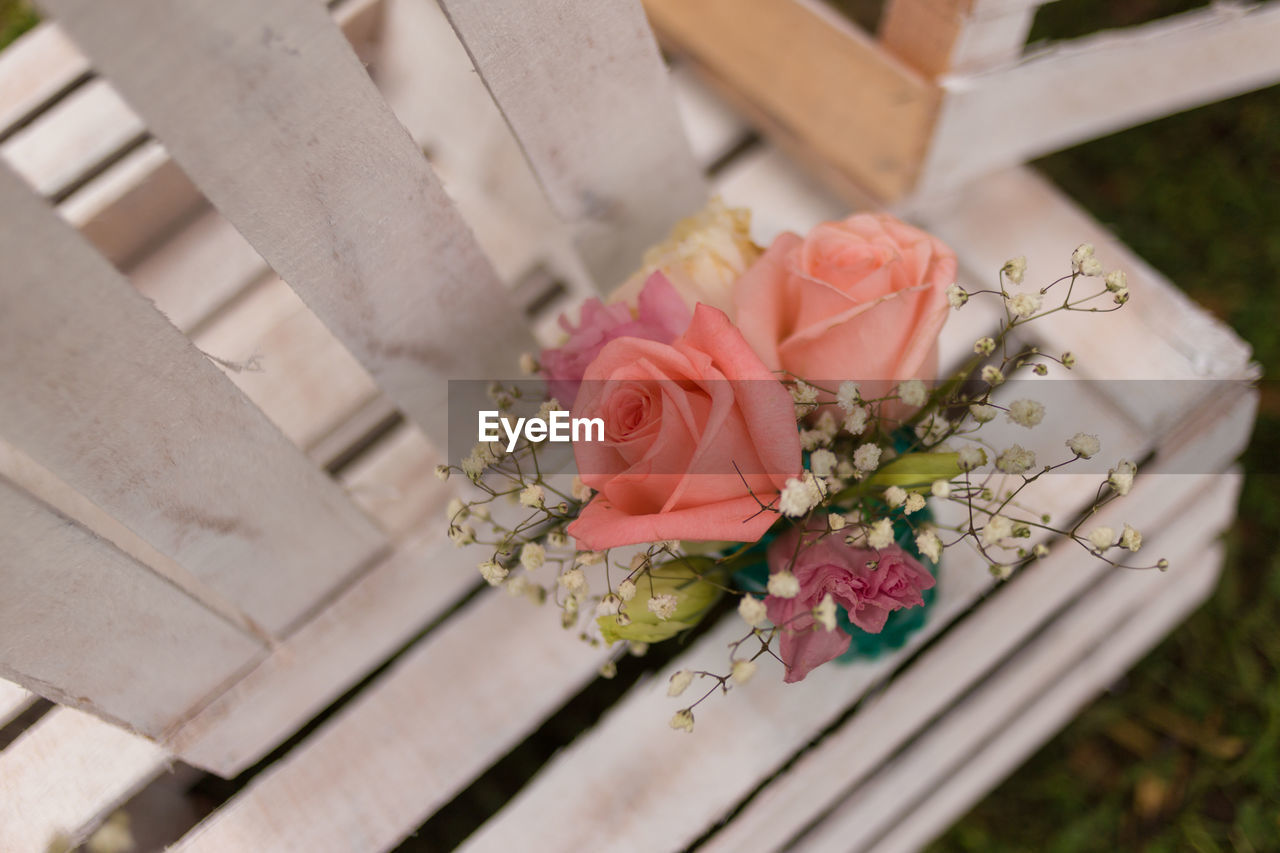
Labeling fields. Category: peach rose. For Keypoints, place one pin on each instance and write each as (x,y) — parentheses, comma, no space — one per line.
(691,430)
(862,299)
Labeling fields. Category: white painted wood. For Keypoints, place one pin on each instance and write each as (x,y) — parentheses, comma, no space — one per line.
(318,176)
(78,132)
(1054,708)
(306,672)
(13,701)
(1089,87)
(403,748)
(993,33)
(112,399)
(584,89)
(64,772)
(1160,335)
(1119,598)
(33,70)
(937,682)
(83,624)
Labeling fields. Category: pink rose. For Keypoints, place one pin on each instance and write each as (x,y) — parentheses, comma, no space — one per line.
(691,430)
(825,564)
(660,315)
(863,299)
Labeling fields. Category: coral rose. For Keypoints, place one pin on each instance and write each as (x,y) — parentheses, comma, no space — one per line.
(697,433)
(867,583)
(660,315)
(862,299)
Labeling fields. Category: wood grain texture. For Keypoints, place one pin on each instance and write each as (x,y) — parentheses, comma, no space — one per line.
(938,36)
(816,78)
(85,625)
(409,743)
(34,70)
(64,772)
(1093,86)
(13,701)
(584,89)
(319,177)
(112,399)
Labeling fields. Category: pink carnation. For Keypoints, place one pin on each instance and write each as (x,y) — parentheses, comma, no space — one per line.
(828,565)
(661,316)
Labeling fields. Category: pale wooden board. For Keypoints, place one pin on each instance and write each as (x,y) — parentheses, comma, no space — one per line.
(937,36)
(33,70)
(1161,334)
(850,755)
(117,403)
(1053,709)
(679,787)
(585,91)
(79,131)
(83,624)
(320,178)
(1089,87)
(412,740)
(98,766)
(1118,598)
(823,83)
(13,701)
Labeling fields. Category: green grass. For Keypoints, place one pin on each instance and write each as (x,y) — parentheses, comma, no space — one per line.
(16,17)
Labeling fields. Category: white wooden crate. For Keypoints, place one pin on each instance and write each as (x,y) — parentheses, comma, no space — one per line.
(430,724)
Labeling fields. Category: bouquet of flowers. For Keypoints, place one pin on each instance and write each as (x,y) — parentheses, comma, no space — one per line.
(769,425)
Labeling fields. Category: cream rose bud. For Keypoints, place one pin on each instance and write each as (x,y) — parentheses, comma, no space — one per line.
(702,258)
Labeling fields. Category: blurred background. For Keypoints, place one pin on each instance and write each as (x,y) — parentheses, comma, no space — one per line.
(1164,762)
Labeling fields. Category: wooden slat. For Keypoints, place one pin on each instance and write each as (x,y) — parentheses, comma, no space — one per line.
(848,756)
(1105,625)
(409,742)
(1033,724)
(823,85)
(98,766)
(937,36)
(319,177)
(35,69)
(584,89)
(13,701)
(1160,335)
(112,399)
(1097,85)
(85,625)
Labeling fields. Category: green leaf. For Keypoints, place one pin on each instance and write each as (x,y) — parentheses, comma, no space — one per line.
(690,580)
(917,470)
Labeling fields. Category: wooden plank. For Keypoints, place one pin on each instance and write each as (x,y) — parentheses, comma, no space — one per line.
(1160,335)
(118,404)
(319,177)
(1120,601)
(355,779)
(1089,87)
(13,701)
(852,106)
(63,772)
(853,753)
(34,70)
(319,662)
(74,135)
(1026,731)
(83,624)
(938,36)
(584,89)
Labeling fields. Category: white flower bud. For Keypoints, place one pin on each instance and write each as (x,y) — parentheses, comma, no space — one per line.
(532,556)
(913,392)
(957,296)
(679,682)
(822,462)
(533,496)
(528,364)
(627,590)
(992,375)
(855,422)
(866,457)
(574,581)
(783,584)
(1016,460)
(881,534)
(1116,281)
(1130,539)
(848,395)
(1026,413)
(493,573)
(970,457)
(1015,268)
(825,613)
(915,503)
(997,527)
(442,472)
(742,671)
(941,489)
(1083,262)
(1120,477)
(1040,551)
(928,543)
(982,413)
(836,521)
(753,611)
(1084,445)
(663,606)
(1102,537)
(683,720)
(1024,304)
(799,496)
(895,496)
(984,346)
